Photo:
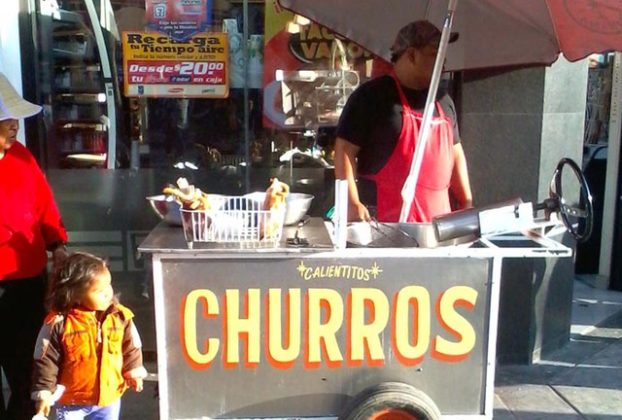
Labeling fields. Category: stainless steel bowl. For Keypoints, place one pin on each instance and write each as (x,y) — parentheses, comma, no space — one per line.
(166,208)
(297,206)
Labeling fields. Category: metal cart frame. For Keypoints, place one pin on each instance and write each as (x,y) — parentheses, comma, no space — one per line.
(244,390)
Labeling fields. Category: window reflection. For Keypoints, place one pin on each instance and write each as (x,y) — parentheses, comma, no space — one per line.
(278,120)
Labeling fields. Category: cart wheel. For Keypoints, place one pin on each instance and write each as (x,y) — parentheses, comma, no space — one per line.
(584,212)
(391,401)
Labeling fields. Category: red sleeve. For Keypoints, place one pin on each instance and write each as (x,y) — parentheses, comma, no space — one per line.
(52,227)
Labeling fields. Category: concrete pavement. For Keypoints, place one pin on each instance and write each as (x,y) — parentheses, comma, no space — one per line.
(582,380)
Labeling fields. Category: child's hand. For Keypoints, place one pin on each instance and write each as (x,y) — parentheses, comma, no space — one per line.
(43,407)
(135,383)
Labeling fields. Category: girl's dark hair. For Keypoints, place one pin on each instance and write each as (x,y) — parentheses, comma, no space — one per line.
(72,279)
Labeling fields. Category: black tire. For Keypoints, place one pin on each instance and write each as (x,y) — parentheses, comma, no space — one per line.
(388,400)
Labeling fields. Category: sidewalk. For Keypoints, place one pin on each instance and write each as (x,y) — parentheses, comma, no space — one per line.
(583,380)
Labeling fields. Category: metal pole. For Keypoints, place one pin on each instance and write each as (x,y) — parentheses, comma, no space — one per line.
(613,164)
(247,147)
(410,185)
(111,117)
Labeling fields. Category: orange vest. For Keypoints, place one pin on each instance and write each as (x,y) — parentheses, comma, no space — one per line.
(92,365)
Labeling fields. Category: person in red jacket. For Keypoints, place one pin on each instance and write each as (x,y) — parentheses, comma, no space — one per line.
(88,344)
(379,130)
(30,227)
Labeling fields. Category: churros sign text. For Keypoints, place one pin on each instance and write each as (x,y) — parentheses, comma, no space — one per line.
(322,326)
(157,65)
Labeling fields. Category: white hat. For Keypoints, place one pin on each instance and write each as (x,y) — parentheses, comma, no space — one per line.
(12,105)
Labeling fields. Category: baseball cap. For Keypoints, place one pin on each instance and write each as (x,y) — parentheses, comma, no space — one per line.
(417,34)
(12,105)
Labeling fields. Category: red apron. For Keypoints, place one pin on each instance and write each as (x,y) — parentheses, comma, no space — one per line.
(432,192)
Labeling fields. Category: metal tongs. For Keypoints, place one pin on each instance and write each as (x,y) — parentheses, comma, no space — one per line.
(296,241)
(393,236)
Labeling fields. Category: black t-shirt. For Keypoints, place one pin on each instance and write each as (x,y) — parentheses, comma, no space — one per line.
(372,120)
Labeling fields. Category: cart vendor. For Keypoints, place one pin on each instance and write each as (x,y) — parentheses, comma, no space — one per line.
(378,131)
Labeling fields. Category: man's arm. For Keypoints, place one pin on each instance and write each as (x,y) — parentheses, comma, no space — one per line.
(345,168)
(460,186)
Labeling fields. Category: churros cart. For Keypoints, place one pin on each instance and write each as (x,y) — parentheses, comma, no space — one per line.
(299,329)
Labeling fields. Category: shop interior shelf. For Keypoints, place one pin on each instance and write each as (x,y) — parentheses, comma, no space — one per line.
(82,98)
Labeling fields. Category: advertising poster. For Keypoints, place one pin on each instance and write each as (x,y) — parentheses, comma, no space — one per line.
(309,71)
(156,65)
(179,19)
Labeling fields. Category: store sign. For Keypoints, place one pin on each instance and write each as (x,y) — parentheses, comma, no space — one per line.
(265,335)
(303,81)
(314,44)
(309,323)
(158,66)
(294,325)
(179,19)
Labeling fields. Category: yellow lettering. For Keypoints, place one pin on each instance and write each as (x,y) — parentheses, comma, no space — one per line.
(238,327)
(278,354)
(314,32)
(455,324)
(199,357)
(368,334)
(323,50)
(326,33)
(417,298)
(329,303)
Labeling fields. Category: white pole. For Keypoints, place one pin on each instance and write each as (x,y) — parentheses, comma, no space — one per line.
(410,185)
(111,117)
(613,159)
(340,217)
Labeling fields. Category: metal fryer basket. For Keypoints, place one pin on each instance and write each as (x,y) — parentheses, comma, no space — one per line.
(236,219)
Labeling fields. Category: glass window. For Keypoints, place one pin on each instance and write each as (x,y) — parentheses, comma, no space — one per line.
(288,81)
(72,87)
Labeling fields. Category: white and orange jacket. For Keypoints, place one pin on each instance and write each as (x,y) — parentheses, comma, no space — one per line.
(91,359)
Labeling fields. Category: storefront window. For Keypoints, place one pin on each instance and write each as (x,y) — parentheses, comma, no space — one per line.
(288,80)
(72,86)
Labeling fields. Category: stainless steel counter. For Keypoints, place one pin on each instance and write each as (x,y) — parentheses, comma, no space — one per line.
(166,239)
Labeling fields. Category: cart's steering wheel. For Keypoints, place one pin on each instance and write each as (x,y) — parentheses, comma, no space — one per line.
(584,210)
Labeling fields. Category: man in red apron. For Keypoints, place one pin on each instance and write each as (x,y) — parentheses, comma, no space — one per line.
(379,131)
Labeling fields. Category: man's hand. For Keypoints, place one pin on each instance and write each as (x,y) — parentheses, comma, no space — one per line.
(358,212)
(135,383)
(59,254)
(43,407)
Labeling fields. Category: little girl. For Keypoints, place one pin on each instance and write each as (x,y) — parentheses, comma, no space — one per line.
(88,344)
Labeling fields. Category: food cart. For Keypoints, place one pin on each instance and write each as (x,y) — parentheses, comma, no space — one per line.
(249,330)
